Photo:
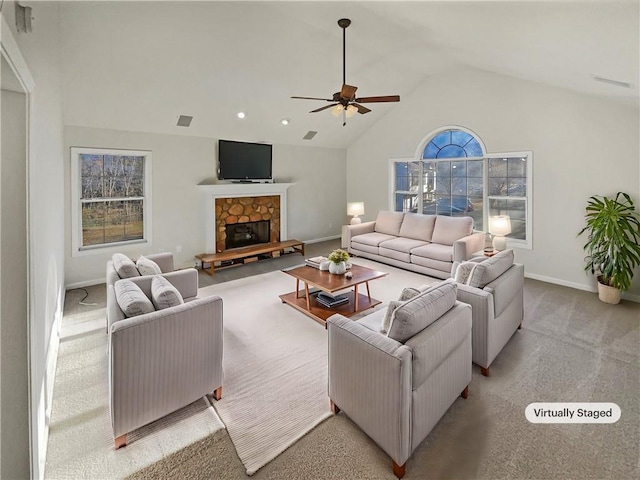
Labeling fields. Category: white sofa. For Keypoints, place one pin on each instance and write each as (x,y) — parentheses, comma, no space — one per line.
(427,244)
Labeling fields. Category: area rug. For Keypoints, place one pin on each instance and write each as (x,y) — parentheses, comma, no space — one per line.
(80,435)
(275,362)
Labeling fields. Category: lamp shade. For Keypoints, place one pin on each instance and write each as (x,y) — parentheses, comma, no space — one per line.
(355,208)
(500,225)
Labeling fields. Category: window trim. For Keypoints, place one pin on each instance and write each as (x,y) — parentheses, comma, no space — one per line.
(77,250)
(511,243)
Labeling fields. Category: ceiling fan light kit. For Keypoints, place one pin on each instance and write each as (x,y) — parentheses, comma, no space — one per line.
(345,102)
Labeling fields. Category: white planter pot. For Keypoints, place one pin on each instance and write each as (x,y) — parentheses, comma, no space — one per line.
(337,268)
(608,294)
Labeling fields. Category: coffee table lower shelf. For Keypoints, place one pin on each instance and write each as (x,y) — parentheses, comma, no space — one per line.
(319,313)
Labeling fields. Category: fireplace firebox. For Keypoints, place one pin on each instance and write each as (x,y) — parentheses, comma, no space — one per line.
(248,233)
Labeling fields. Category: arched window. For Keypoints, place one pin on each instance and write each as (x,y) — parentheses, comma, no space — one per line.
(453,175)
(453,143)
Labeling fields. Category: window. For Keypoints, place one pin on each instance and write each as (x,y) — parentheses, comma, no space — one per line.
(455,176)
(111,197)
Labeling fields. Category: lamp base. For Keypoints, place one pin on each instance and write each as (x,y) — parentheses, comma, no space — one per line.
(355,220)
(499,242)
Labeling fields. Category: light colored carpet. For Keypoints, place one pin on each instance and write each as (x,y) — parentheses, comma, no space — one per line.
(275,363)
(80,436)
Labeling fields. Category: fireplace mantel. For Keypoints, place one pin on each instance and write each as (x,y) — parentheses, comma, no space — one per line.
(233,190)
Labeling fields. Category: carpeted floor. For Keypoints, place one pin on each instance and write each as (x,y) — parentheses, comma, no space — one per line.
(571,348)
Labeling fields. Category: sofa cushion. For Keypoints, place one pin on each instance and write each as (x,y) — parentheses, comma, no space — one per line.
(389,222)
(421,311)
(124,266)
(131,299)
(164,294)
(417,226)
(410,292)
(436,251)
(147,266)
(449,229)
(488,270)
(401,244)
(372,239)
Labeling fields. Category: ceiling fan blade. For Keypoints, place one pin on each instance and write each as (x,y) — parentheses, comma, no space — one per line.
(361,108)
(348,91)
(386,98)
(323,108)
(314,98)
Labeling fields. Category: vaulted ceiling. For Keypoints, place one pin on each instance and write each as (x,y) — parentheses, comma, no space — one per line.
(139,65)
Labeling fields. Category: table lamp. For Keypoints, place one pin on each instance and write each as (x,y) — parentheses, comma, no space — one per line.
(355,209)
(499,226)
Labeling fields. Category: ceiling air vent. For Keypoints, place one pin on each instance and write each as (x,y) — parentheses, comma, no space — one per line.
(184,120)
(310,134)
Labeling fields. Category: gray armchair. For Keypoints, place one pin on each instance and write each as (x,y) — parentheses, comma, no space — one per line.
(494,290)
(186,280)
(164,360)
(397,387)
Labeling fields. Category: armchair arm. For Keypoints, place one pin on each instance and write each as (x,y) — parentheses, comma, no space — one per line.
(370,379)
(164,360)
(164,261)
(358,229)
(507,287)
(464,247)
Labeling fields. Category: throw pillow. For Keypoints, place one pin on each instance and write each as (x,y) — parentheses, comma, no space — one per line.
(124,266)
(131,299)
(147,266)
(164,294)
(388,317)
(464,271)
(408,293)
(421,311)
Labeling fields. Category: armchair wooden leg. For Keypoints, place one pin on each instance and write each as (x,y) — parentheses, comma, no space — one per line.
(399,470)
(217,393)
(121,441)
(334,408)
(465,392)
(484,371)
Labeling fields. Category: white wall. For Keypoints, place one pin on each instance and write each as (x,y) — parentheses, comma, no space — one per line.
(40,50)
(581,145)
(316,201)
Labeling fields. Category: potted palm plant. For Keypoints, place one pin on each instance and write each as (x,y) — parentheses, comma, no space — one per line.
(613,243)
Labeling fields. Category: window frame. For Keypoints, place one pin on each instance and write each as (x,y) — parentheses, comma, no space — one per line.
(76,202)
(418,157)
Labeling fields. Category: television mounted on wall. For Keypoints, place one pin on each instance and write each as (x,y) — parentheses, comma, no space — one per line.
(244,161)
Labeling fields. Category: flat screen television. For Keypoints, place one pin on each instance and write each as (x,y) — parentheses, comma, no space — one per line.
(244,161)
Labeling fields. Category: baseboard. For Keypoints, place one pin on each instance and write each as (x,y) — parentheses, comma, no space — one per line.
(86,283)
(324,239)
(578,286)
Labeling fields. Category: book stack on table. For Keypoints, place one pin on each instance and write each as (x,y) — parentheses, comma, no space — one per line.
(329,301)
(315,261)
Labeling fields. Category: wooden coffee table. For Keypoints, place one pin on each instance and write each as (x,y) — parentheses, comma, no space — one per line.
(305,301)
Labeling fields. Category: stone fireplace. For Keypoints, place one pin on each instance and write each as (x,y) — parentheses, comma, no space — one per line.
(238,204)
(245,234)
(242,210)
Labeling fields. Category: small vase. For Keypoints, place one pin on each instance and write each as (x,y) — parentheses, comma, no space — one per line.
(337,268)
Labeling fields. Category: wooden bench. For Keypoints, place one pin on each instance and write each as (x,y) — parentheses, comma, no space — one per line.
(240,256)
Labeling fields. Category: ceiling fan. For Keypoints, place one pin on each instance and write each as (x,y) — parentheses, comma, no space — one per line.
(345,100)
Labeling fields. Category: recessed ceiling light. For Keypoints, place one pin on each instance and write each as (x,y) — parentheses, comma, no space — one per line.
(285,121)
(241,114)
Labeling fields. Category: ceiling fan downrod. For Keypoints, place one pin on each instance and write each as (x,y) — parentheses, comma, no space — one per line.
(344,23)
